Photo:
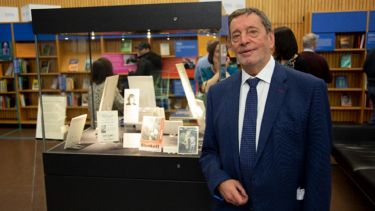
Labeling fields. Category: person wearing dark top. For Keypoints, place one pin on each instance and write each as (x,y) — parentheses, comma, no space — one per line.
(148,62)
(369,69)
(286,50)
(317,64)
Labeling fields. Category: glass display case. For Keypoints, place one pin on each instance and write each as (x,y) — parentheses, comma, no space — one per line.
(68,42)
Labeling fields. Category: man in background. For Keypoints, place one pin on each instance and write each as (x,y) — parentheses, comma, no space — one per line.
(318,65)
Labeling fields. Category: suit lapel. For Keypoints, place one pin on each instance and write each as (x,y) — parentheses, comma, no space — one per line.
(233,103)
(276,94)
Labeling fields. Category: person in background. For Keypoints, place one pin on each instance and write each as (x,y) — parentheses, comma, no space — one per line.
(211,75)
(369,69)
(101,69)
(148,62)
(267,141)
(286,50)
(202,63)
(318,65)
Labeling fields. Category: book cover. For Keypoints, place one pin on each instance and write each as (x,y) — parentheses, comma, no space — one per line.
(22,100)
(6,51)
(126,46)
(86,84)
(341,81)
(69,84)
(346,100)
(62,82)
(45,66)
(152,133)
(9,71)
(73,64)
(54,83)
(35,85)
(164,49)
(84,99)
(46,49)
(346,61)
(188,140)
(346,42)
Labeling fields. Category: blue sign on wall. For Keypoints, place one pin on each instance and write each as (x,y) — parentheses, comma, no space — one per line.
(371,23)
(339,22)
(370,40)
(325,42)
(186,48)
(5,32)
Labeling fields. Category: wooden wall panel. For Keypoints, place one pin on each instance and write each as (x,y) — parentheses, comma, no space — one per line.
(292,13)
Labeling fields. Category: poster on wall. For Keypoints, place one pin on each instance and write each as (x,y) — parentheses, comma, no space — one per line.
(5,51)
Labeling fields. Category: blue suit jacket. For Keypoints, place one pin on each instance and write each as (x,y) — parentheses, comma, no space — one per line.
(294,143)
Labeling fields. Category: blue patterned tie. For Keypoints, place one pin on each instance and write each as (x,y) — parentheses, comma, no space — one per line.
(248,147)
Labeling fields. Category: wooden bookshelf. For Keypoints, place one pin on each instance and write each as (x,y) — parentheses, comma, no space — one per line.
(344,47)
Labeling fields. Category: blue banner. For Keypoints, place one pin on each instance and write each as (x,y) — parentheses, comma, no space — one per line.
(186,48)
(325,42)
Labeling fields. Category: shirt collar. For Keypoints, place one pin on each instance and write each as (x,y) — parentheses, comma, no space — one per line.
(264,75)
(308,49)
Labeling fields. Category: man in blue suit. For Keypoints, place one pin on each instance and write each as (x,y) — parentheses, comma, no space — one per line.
(267,144)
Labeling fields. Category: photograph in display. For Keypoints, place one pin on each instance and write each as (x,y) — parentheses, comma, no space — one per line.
(188,140)
(108,128)
(152,133)
(131,106)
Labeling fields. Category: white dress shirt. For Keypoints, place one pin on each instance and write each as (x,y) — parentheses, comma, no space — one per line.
(263,86)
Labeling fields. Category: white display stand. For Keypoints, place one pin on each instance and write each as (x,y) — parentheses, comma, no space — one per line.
(75,131)
(109,91)
(147,91)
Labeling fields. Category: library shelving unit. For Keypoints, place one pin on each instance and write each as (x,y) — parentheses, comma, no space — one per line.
(342,41)
(8,94)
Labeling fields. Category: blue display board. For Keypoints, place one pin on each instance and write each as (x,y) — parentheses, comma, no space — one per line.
(339,22)
(371,24)
(5,32)
(23,32)
(370,40)
(186,48)
(326,42)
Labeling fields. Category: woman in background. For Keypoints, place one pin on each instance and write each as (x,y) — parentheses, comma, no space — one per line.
(209,76)
(286,50)
(101,69)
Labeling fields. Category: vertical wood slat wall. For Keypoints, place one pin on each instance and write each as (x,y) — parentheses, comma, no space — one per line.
(295,14)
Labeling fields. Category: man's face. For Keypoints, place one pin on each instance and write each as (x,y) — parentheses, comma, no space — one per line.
(251,42)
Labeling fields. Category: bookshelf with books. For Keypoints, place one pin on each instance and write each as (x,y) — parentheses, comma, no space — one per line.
(8,94)
(343,44)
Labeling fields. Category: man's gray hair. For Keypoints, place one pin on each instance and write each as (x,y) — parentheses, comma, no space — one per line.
(309,40)
(248,11)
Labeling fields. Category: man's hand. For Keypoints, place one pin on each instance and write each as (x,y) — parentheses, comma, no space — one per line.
(233,192)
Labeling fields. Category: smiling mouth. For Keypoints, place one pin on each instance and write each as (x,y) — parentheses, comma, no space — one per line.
(247,51)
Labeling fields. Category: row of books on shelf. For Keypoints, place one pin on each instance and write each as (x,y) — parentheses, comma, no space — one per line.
(7,102)
(77,99)
(21,66)
(5,86)
(68,83)
(352,41)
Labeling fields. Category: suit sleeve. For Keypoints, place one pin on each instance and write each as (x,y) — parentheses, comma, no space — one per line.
(210,160)
(317,163)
